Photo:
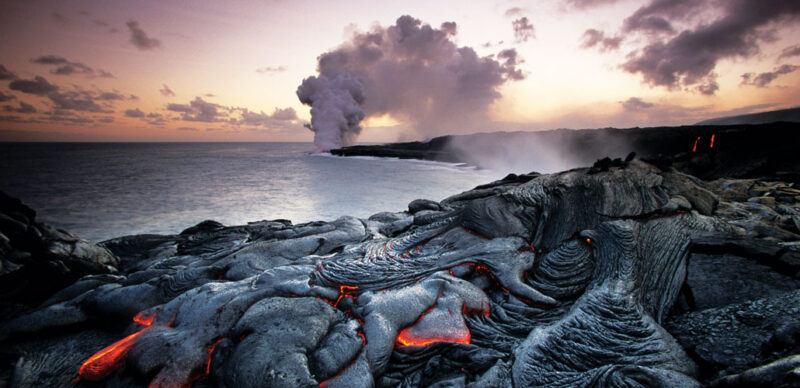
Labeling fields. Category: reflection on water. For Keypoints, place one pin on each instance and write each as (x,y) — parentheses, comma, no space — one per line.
(104,190)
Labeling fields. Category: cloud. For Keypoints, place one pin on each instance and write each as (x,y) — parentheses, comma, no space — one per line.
(166,91)
(110,96)
(510,60)
(269,69)
(156,119)
(106,119)
(190,129)
(267,120)
(763,79)
(60,19)
(581,4)
(50,60)
(16,119)
(689,57)
(5,74)
(66,67)
(514,12)
(140,39)
(657,17)
(635,104)
(791,51)
(104,24)
(69,120)
(523,30)
(37,86)
(23,108)
(200,110)
(596,38)
(6,97)
(135,113)
(411,71)
(79,100)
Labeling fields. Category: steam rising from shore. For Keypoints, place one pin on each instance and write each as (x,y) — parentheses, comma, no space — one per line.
(410,71)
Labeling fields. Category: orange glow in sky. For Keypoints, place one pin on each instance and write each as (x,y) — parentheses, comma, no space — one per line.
(229,71)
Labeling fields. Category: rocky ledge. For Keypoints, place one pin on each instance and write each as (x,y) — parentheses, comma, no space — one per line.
(626,274)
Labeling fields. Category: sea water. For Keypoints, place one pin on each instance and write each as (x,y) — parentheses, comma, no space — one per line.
(104,190)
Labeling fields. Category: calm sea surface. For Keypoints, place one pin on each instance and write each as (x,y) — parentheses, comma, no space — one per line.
(105,190)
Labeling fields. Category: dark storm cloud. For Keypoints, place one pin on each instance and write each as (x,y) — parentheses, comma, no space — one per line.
(66,67)
(791,51)
(658,16)
(5,74)
(635,104)
(135,113)
(140,39)
(6,97)
(166,91)
(411,71)
(763,79)
(523,30)
(38,86)
(596,38)
(689,57)
(270,69)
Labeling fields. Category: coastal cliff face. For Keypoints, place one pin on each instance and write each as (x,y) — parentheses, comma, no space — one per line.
(625,274)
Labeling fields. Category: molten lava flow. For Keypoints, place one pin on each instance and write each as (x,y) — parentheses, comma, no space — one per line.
(407,339)
(144,318)
(209,351)
(712,141)
(694,148)
(101,364)
(437,324)
(345,292)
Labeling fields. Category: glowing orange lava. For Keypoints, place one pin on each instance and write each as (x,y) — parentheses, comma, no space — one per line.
(406,339)
(101,364)
(694,148)
(145,319)
(209,351)
(344,292)
(712,141)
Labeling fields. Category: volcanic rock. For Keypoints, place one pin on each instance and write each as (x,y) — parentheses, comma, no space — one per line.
(624,274)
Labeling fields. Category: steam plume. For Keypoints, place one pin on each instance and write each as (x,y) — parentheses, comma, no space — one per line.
(410,71)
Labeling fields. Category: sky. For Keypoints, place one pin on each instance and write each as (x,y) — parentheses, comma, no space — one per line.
(230,71)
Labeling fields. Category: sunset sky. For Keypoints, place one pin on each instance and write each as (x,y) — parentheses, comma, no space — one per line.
(230,70)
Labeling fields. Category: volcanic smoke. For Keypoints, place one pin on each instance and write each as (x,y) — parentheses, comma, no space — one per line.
(409,71)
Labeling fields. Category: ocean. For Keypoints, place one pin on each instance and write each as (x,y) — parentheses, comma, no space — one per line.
(104,190)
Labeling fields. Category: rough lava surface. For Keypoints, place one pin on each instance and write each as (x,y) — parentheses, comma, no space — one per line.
(619,275)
